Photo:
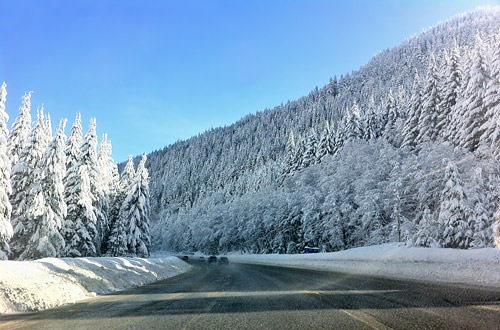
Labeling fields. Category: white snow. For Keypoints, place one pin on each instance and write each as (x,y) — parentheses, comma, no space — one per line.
(395,260)
(50,282)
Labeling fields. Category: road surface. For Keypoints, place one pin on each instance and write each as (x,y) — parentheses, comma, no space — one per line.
(238,296)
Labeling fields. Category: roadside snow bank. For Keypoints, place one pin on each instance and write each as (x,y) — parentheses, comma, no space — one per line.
(50,282)
(475,266)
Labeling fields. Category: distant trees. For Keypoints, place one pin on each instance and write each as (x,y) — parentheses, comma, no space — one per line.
(62,190)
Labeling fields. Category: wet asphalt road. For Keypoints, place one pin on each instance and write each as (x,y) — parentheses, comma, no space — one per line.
(238,296)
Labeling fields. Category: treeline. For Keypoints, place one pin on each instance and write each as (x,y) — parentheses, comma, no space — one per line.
(63,196)
(368,193)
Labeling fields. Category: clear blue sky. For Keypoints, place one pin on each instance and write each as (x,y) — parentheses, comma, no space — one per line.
(153,72)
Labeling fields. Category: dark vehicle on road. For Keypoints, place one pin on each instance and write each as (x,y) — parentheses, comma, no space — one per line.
(309,249)
(223,260)
(212,259)
(185,258)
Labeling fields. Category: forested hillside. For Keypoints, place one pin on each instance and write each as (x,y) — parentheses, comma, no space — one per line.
(403,149)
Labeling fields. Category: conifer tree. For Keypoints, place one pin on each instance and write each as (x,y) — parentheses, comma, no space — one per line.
(480,219)
(72,184)
(5,187)
(309,155)
(450,82)
(47,209)
(353,124)
(21,128)
(325,144)
(454,213)
(89,158)
(410,128)
(288,164)
(430,105)
(117,241)
(472,107)
(26,199)
(136,209)
(490,127)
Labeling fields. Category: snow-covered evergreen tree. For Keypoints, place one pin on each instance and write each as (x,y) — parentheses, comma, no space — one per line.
(309,155)
(410,128)
(472,107)
(449,85)
(21,128)
(47,207)
(454,213)
(490,127)
(89,159)
(26,199)
(135,210)
(481,221)
(430,105)
(79,228)
(325,144)
(5,187)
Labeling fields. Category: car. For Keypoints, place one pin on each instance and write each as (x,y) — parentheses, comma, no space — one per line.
(223,260)
(212,259)
(310,249)
(185,258)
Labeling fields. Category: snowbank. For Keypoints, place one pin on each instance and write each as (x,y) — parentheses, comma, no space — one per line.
(475,266)
(50,282)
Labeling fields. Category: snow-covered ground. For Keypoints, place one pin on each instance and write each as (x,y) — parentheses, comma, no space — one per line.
(474,266)
(50,282)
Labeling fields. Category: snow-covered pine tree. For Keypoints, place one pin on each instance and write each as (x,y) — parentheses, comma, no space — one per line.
(370,123)
(481,221)
(309,155)
(427,230)
(454,212)
(136,211)
(353,124)
(430,104)
(72,182)
(490,127)
(449,85)
(105,168)
(5,187)
(47,209)
(25,185)
(89,158)
(472,107)
(391,113)
(288,164)
(21,128)
(410,128)
(325,144)
(117,240)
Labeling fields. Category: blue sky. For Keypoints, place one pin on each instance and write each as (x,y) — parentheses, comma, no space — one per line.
(153,72)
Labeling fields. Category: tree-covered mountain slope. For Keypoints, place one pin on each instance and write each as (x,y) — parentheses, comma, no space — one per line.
(405,148)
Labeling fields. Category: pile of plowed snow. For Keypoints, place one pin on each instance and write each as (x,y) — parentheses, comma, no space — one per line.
(473,266)
(50,282)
